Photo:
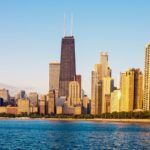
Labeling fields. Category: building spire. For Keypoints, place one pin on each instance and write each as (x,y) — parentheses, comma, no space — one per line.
(72,24)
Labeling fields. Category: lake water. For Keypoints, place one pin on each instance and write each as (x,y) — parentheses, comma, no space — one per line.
(43,135)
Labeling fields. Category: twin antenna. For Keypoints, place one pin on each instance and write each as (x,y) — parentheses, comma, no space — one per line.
(65,25)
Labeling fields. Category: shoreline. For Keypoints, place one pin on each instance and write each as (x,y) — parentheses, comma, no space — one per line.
(72,119)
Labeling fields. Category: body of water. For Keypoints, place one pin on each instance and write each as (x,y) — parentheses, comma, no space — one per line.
(43,135)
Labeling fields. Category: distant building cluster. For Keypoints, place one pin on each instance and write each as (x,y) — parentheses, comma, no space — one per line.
(129,96)
(19,104)
(66,95)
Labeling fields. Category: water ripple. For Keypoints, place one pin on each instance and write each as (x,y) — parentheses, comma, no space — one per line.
(43,135)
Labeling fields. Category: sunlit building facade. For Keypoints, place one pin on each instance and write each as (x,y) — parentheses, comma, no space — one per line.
(146,98)
(74,93)
(131,90)
(107,88)
(99,72)
(115,101)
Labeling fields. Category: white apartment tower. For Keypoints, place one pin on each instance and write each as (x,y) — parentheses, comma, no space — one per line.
(146,100)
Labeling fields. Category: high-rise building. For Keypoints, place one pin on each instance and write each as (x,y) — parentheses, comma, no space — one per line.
(54,72)
(106,71)
(131,90)
(138,89)
(115,101)
(67,66)
(100,71)
(107,99)
(127,86)
(96,103)
(98,97)
(74,93)
(33,97)
(146,99)
(42,104)
(107,88)
(22,94)
(51,102)
(4,94)
(94,81)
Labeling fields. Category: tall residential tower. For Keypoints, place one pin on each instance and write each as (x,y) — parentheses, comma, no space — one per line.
(146,100)
(131,90)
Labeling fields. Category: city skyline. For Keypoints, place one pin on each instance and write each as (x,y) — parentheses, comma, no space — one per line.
(31,45)
(74,74)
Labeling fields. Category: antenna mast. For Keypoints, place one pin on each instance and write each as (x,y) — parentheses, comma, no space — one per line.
(64,24)
(72,24)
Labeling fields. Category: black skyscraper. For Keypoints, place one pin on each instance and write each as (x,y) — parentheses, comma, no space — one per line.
(68,65)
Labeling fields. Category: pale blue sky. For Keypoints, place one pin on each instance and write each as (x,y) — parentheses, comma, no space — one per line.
(31,32)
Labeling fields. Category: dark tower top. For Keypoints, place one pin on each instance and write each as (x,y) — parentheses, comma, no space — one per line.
(67,65)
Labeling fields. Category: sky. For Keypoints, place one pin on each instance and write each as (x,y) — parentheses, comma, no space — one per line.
(31,33)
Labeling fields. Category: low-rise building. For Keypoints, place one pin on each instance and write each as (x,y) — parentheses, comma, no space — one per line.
(12,110)
(3,110)
(78,110)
